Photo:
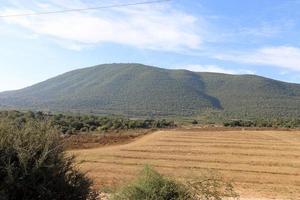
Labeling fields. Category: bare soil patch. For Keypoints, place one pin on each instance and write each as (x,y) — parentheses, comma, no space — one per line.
(96,140)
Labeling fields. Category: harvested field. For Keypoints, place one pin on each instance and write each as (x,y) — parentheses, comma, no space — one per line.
(262,164)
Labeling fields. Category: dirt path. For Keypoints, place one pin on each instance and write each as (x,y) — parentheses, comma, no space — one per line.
(262,164)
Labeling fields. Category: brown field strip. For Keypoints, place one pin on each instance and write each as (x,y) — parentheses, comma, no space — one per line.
(195,141)
(240,177)
(225,139)
(197,152)
(224,147)
(252,163)
(262,164)
(174,166)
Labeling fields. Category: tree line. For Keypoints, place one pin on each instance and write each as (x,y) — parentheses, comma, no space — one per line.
(271,123)
(72,124)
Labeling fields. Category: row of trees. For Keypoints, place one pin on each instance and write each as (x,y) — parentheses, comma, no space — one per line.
(70,124)
(274,123)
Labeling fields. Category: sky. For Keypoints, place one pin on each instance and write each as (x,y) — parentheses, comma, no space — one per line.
(259,37)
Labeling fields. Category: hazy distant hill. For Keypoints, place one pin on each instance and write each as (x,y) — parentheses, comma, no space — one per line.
(139,90)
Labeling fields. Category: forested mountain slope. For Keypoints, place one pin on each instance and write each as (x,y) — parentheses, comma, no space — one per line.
(140,90)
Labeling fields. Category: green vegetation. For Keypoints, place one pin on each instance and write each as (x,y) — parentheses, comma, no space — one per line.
(33,164)
(137,90)
(250,96)
(274,123)
(71,124)
(151,185)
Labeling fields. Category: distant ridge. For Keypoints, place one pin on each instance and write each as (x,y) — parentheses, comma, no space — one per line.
(140,90)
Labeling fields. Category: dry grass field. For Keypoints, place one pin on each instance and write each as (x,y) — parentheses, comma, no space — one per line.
(262,164)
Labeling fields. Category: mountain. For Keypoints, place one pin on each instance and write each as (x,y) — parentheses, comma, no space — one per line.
(140,90)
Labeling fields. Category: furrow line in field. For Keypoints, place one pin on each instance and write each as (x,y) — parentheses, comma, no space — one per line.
(197,152)
(221,137)
(231,138)
(193,167)
(268,183)
(253,163)
(225,142)
(223,146)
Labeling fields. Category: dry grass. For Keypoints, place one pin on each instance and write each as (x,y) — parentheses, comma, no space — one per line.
(262,164)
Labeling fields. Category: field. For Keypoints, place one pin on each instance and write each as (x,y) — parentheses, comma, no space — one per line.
(262,164)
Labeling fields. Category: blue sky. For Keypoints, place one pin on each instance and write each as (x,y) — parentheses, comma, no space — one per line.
(229,36)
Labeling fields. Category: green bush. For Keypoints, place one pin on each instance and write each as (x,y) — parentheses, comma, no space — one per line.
(151,185)
(33,165)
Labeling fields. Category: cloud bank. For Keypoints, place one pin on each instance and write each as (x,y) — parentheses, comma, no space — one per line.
(285,57)
(148,26)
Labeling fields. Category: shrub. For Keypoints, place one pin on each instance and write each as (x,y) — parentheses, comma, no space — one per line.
(194,122)
(33,165)
(211,186)
(151,185)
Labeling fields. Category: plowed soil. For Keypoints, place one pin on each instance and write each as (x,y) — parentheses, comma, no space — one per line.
(263,164)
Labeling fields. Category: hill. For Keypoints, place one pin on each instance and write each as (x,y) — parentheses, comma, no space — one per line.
(140,90)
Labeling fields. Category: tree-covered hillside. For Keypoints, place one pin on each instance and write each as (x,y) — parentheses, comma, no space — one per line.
(139,90)
(250,96)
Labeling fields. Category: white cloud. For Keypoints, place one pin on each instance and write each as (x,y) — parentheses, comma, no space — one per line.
(152,27)
(213,68)
(285,57)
